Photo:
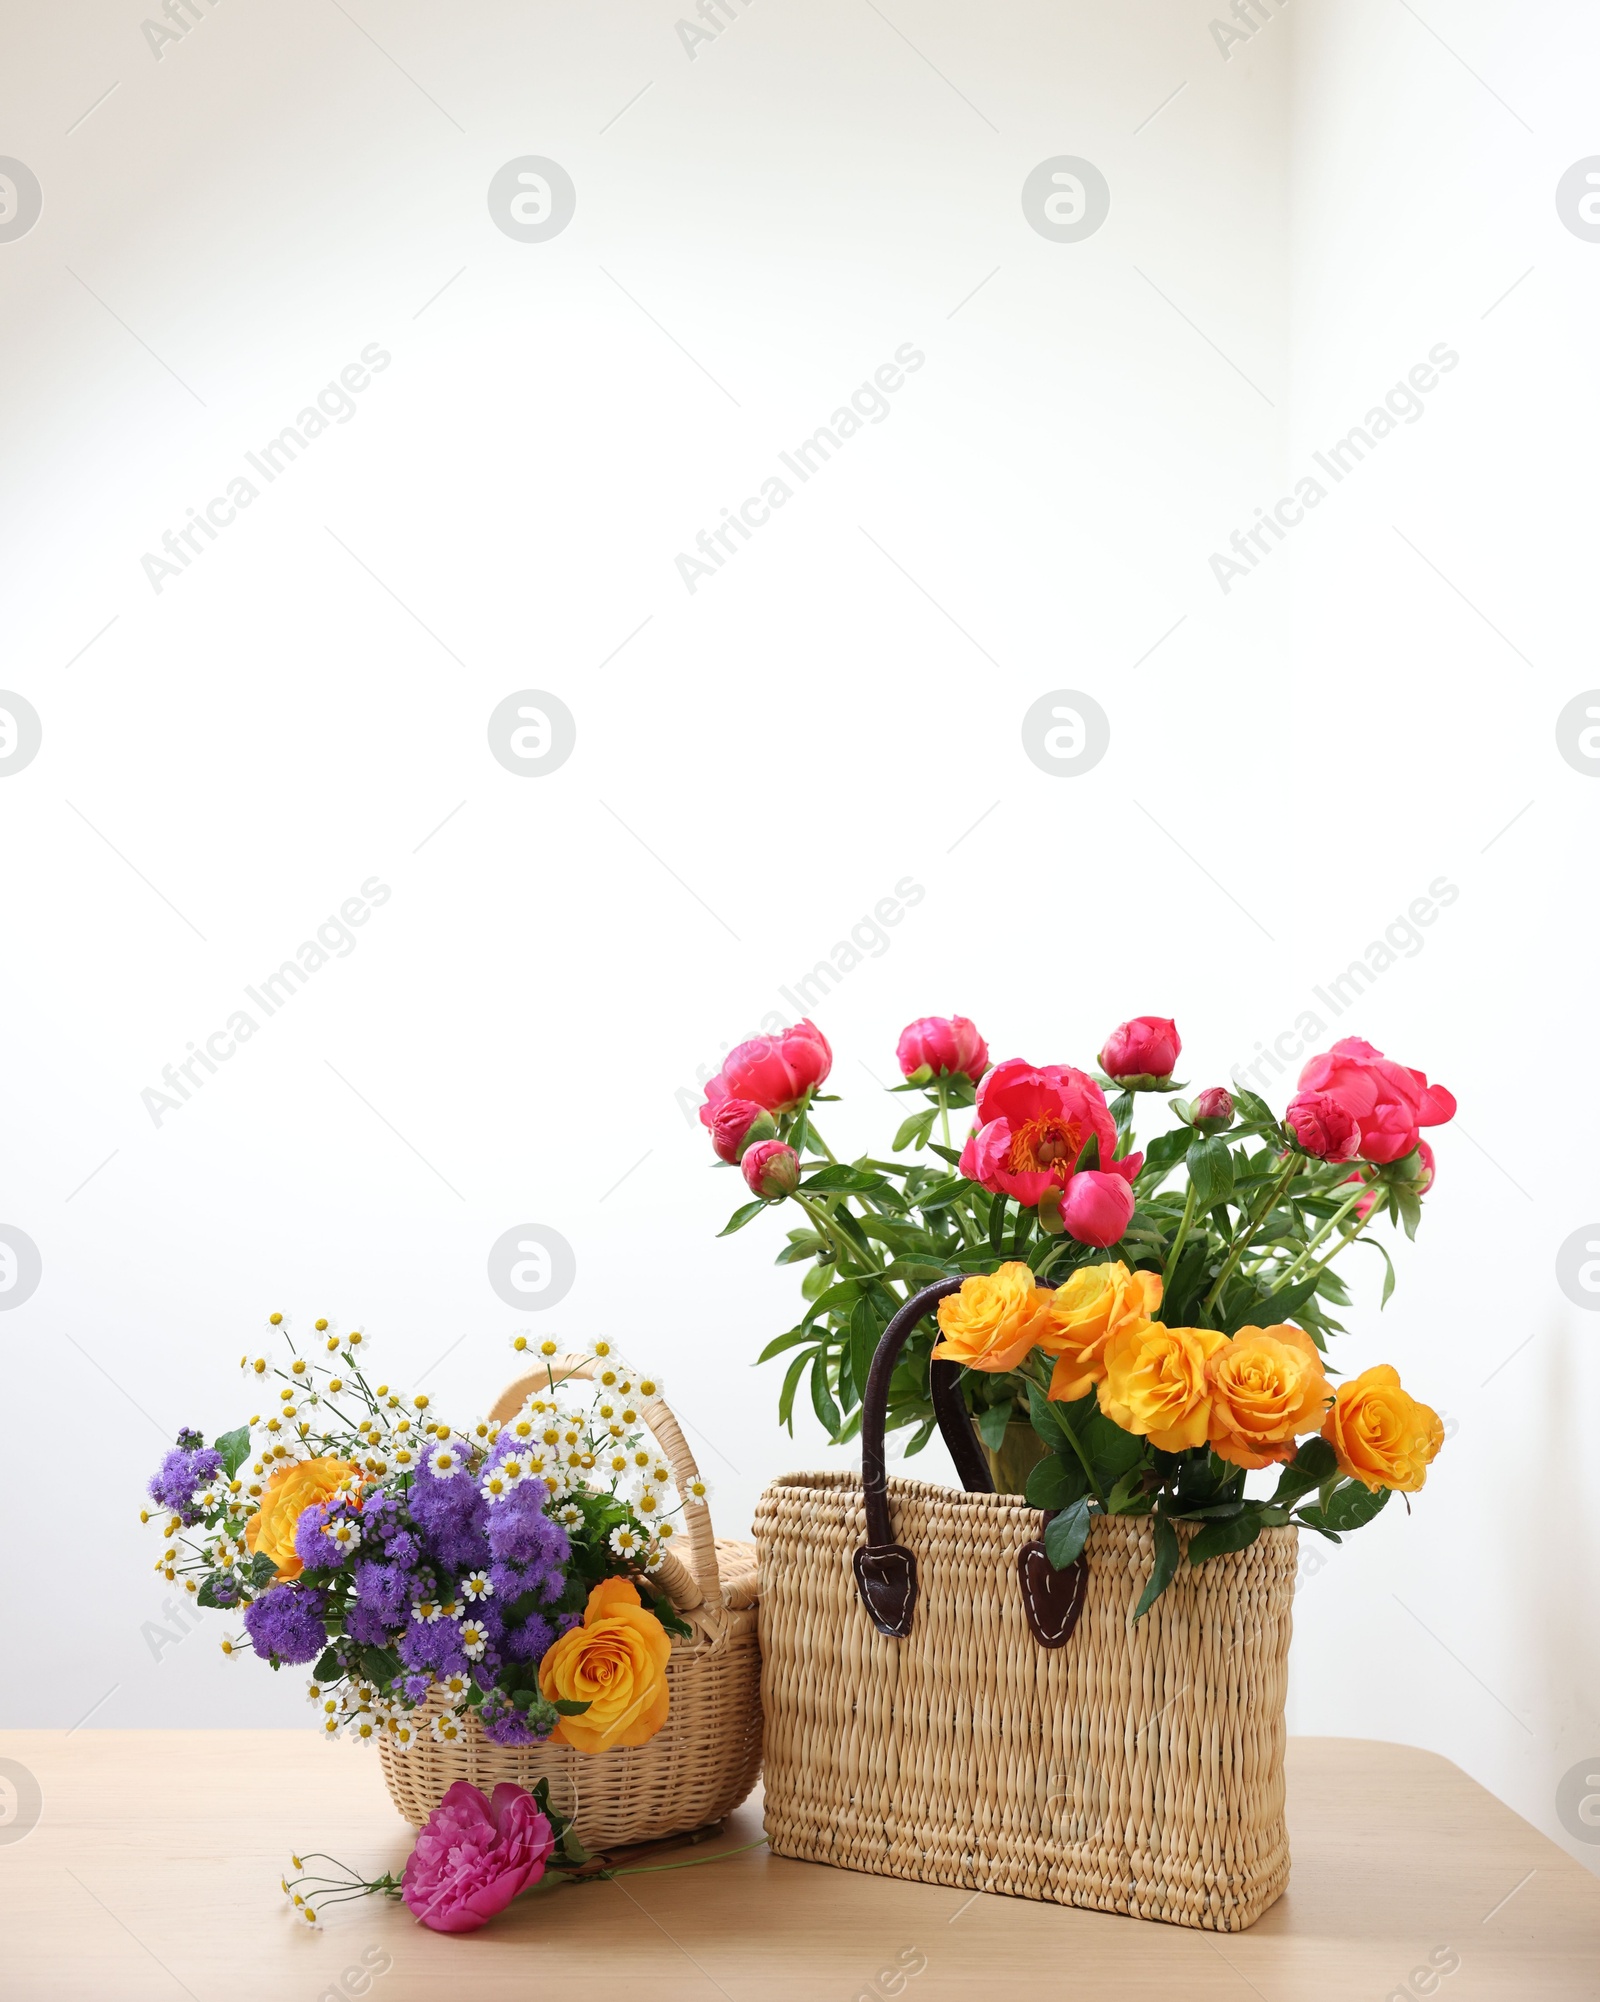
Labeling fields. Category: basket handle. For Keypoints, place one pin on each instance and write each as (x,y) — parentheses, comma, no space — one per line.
(886,1571)
(701,1586)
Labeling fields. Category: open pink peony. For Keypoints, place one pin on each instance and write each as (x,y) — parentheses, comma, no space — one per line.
(474,1854)
(1389,1103)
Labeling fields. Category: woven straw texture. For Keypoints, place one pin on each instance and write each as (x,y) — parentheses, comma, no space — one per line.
(1137,1769)
(704,1759)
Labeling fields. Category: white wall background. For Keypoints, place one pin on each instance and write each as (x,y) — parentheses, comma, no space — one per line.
(758,763)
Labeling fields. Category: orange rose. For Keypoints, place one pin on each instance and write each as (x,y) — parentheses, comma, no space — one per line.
(994,1320)
(293,1489)
(1379,1435)
(1267,1386)
(1086,1310)
(616,1662)
(1155,1383)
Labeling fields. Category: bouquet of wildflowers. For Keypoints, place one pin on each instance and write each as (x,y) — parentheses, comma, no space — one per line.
(1140,1327)
(412,1564)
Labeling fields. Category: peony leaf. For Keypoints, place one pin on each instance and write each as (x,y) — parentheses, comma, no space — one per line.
(741,1217)
(1164,1569)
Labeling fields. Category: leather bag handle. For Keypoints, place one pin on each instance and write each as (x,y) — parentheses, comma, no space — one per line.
(886,1571)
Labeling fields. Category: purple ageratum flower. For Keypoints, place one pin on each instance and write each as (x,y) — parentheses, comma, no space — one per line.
(433,1644)
(453,1517)
(504,1724)
(385,1591)
(286,1625)
(185,1469)
(530,1639)
(318,1552)
(521,1533)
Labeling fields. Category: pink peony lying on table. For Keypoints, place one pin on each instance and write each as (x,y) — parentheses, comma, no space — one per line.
(474,1854)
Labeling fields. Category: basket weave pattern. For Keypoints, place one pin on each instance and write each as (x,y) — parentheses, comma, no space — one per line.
(704,1759)
(1137,1769)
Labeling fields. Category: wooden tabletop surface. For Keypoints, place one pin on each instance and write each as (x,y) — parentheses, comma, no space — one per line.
(152,1874)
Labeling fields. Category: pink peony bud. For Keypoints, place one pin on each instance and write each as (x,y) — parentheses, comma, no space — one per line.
(738,1123)
(1323,1127)
(774,1071)
(1142,1052)
(941,1046)
(1097,1207)
(1212,1110)
(772,1168)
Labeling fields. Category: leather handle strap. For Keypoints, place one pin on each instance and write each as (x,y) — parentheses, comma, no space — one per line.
(886,1571)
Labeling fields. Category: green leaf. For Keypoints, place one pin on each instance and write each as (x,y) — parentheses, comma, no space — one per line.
(839,1177)
(1055,1483)
(817,1281)
(992,1423)
(791,1383)
(822,1396)
(997,1222)
(327,1668)
(234,1448)
(1047,1420)
(1348,1507)
(865,1333)
(1410,1209)
(262,1570)
(1218,1538)
(1276,1307)
(568,1708)
(380,1666)
(742,1216)
(1252,1110)
(1065,1534)
(1163,1571)
(913,1131)
(1111,1450)
(1308,1469)
(779,1343)
(209,1588)
(1131,1484)
(670,1618)
(1210,1165)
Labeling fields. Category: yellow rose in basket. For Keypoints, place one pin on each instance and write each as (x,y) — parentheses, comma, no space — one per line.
(1155,1383)
(1086,1310)
(1267,1386)
(1381,1436)
(994,1320)
(293,1489)
(616,1662)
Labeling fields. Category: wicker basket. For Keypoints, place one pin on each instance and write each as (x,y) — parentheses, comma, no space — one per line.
(940,1705)
(705,1758)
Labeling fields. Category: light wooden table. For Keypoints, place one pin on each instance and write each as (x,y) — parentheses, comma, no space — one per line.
(152,1874)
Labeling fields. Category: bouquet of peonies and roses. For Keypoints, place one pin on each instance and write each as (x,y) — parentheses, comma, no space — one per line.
(1140,1327)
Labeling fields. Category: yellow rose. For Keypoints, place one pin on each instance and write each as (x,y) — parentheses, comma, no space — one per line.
(616,1662)
(994,1320)
(1267,1386)
(1381,1436)
(288,1494)
(1097,1302)
(1155,1383)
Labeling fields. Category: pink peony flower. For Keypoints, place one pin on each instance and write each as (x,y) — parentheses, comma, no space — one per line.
(1322,1126)
(736,1123)
(474,1855)
(1097,1208)
(941,1046)
(1145,1049)
(774,1072)
(772,1169)
(1389,1103)
(1033,1125)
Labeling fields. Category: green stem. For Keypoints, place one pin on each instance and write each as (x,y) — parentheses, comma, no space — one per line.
(1242,1243)
(1333,1223)
(1083,1461)
(847,1256)
(1184,1222)
(944,1112)
(688,1862)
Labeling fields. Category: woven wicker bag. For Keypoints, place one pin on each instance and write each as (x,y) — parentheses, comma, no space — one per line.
(942,1705)
(704,1759)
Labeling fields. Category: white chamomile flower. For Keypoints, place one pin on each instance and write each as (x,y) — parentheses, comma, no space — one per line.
(427,1611)
(626,1542)
(448,1728)
(605,1409)
(314,1691)
(600,1348)
(451,1609)
(356,1340)
(304,1913)
(474,1639)
(331,1726)
(478,1585)
(613,1464)
(455,1687)
(642,1457)
(485,1431)
(444,1461)
(328,1704)
(403,1455)
(515,1468)
(364,1726)
(665,1531)
(649,1386)
(630,1416)
(611,1379)
(494,1487)
(344,1535)
(549,1347)
(571,1517)
(647,1503)
(660,1474)
(402,1734)
(625,1386)
(523,1430)
(697,1489)
(655,1556)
